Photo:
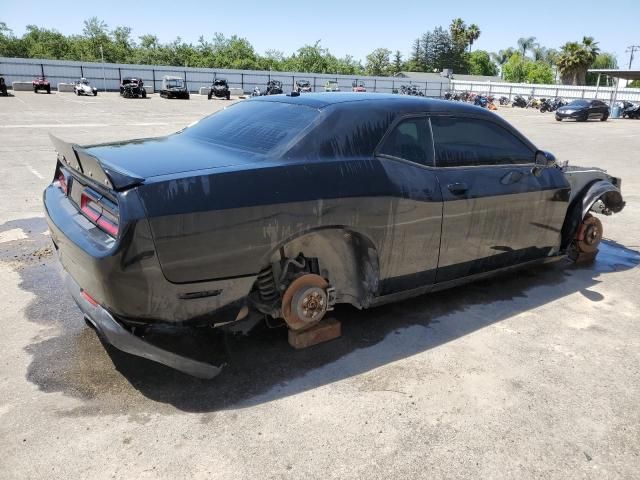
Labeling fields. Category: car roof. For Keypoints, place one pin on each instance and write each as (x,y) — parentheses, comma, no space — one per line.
(392,101)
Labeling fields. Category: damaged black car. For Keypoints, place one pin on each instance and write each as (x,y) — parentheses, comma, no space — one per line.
(285,206)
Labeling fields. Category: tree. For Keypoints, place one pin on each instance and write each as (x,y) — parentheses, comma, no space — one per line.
(415,63)
(10,46)
(539,72)
(521,69)
(378,63)
(543,54)
(526,43)
(502,57)
(602,60)
(397,64)
(575,58)
(473,33)
(458,30)
(515,69)
(480,64)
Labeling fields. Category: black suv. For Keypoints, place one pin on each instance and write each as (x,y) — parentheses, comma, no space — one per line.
(219,89)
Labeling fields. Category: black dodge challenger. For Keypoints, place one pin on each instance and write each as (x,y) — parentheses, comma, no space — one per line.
(287,205)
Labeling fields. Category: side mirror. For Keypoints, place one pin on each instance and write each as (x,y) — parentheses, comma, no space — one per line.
(545,159)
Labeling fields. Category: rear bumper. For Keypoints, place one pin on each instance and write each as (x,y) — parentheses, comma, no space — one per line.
(112,332)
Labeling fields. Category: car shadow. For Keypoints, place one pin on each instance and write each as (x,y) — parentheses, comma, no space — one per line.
(261,366)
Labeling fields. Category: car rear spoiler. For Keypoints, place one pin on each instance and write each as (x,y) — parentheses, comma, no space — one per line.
(79,159)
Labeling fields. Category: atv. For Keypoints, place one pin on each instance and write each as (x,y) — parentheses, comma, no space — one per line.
(274,87)
(3,88)
(303,86)
(174,87)
(132,87)
(41,83)
(219,89)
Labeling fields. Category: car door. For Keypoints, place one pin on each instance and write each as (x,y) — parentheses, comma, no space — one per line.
(408,252)
(598,109)
(498,208)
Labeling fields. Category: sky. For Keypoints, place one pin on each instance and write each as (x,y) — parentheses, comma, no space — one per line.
(354,28)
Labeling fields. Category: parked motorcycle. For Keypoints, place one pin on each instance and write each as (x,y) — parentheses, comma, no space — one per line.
(551,105)
(503,100)
(481,101)
(411,90)
(630,110)
(519,101)
(533,102)
(256,92)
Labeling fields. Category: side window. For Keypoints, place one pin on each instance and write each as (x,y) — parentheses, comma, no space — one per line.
(410,140)
(465,142)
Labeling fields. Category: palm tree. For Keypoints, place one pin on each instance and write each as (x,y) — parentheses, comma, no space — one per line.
(503,57)
(526,43)
(570,61)
(575,59)
(590,47)
(458,29)
(473,33)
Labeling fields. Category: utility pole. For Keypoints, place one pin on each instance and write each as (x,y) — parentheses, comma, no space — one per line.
(631,49)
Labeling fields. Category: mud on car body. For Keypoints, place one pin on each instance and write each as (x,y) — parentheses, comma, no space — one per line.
(287,205)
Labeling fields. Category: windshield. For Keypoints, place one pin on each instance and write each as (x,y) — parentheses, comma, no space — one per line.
(174,82)
(256,126)
(303,83)
(579,103)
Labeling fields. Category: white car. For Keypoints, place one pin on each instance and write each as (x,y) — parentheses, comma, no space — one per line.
(83,87)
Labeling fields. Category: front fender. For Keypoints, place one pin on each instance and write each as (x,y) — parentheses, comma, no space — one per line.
(585,201)
(607,192)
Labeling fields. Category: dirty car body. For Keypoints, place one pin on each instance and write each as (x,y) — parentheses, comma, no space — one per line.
(368,198)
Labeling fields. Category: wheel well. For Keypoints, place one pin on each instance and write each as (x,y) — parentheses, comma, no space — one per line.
(347,259)
(600,196)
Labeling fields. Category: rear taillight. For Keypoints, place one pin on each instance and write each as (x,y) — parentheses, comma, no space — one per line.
(101,211)
(61,181)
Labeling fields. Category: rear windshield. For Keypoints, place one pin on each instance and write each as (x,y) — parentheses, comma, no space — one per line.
(257,126)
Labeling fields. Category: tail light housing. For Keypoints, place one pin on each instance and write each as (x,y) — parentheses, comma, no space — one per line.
(61,182)
(101,211)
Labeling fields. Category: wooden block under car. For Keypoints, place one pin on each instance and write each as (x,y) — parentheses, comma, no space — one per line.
(322,332)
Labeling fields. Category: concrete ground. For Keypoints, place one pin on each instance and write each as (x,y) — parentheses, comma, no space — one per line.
(532,375)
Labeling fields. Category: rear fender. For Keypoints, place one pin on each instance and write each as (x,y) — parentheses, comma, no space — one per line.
(587,200)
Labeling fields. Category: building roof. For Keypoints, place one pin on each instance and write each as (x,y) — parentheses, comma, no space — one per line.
(428,76)
(616,73)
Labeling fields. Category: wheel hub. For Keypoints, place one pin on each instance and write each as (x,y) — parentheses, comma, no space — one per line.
(310,304)
(305,301)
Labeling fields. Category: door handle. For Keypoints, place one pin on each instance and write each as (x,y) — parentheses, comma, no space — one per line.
(458,188)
